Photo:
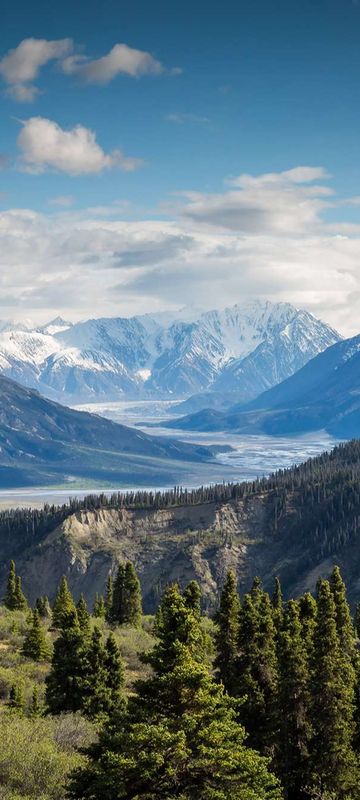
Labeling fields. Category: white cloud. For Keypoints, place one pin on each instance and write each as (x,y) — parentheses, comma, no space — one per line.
(20,66)
(95,263)
(270,203)
(121,60)
(45,145)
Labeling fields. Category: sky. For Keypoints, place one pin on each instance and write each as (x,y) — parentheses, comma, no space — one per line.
(161,155)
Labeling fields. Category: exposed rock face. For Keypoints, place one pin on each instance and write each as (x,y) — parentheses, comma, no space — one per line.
(182,543)
(166,545)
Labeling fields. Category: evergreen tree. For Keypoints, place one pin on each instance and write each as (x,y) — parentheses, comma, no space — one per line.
(109,598)
(42,605)
(257,671)
(256,591)
(83,616)
(10,596)
(35,644)
(307,615)
(96,693)
(179,737)
(344,626)
(126,606)
(278,606)
(116,612)
(192,597)
(16,698)
(35,708)
(334,764)
(295,729)
(64,606)
(99,609)
(132,608)
(65,682)
(14,598)
(115,673)
(20,599)
(227,634)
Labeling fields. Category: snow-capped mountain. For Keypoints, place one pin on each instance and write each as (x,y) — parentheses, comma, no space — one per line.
(243,349)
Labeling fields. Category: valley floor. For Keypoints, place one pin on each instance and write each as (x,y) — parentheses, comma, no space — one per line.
(250,457)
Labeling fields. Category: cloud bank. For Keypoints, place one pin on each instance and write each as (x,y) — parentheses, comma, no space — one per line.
(275,243)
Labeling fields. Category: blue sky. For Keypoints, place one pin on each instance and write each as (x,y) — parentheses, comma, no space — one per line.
(212,92)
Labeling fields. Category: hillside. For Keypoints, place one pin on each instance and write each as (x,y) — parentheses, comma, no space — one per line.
(241,350)
(324,394)
(42,442)
(295,524)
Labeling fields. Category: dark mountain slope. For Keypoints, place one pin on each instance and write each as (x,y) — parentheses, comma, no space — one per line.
(42,442)
(325,393)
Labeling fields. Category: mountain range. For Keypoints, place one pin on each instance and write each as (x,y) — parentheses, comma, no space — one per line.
(233,354)
(44,443)
(324,394)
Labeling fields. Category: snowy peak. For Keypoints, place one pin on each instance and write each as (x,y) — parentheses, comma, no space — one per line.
(55,326)
(245,348)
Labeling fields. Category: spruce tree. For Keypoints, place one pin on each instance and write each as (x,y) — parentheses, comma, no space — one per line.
(257,671)
(96,693)
(16,698)
(132,608)
(227,634)
(115,673)
(35,708)
(65,682)
(83,615)
(179,737)
(99,610)
(307,615)
(192,597)
(278,606)
(14,599)
(64,606)
(116,612)
(334,766)
(10,596)
(344,626)
(109,598)
(42,605)
(295,730)
(21,601)
(35,644)
(256,591)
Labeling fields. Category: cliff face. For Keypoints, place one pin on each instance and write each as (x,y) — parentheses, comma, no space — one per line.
(179,544)
(173,544)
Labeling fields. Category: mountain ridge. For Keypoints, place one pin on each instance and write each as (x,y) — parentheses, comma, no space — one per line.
(243,349)
(323,394)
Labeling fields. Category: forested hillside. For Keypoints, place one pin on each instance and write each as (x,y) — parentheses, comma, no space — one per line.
(296,524)
(261,702)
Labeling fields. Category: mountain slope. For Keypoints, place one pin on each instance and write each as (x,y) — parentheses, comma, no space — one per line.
(325,393)
(242,350)
(295,524)
(43,442)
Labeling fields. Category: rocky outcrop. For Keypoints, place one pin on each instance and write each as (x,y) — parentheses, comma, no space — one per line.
(174,544)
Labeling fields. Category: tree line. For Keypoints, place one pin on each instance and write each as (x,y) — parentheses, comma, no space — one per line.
(324,492)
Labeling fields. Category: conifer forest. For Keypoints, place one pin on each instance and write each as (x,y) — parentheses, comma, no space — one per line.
(260,702)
